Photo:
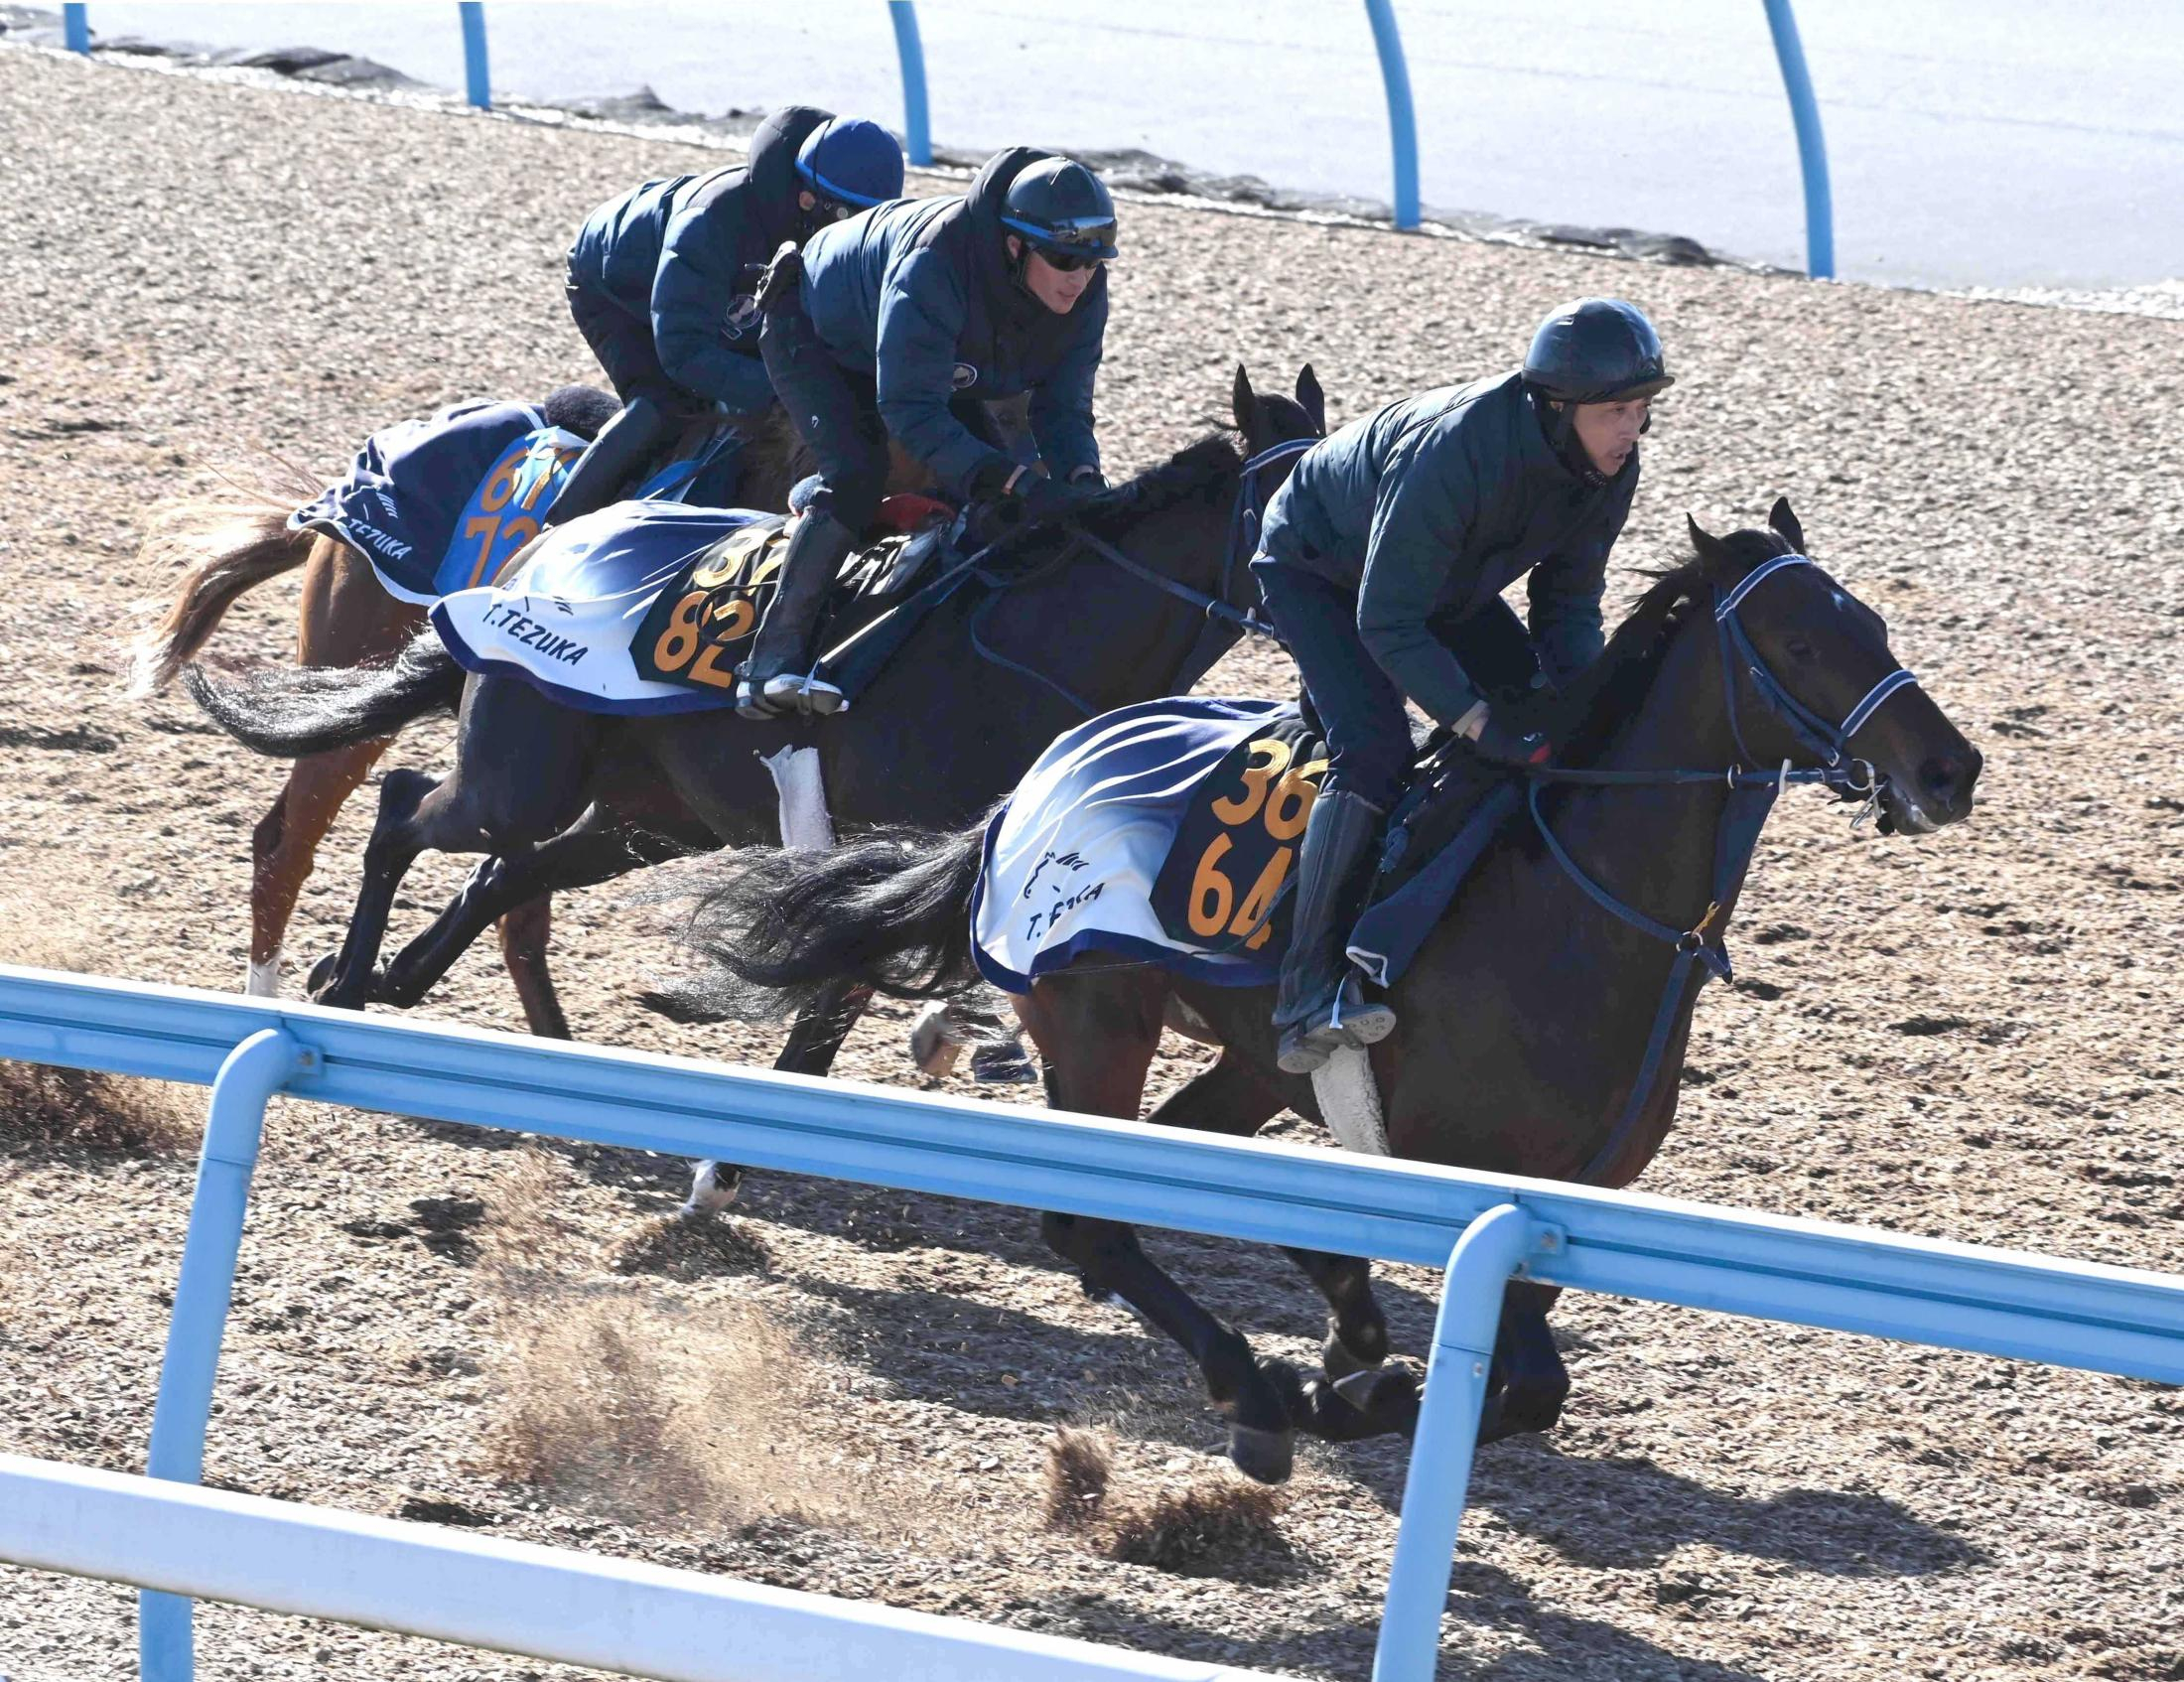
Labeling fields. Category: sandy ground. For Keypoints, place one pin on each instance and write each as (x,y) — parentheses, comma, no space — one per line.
(853,1391)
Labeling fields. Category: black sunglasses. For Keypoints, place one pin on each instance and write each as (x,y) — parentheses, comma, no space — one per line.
(1068,263)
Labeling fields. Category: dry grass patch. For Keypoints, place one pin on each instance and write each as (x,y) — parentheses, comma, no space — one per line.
(1215,1525)
(43,1107)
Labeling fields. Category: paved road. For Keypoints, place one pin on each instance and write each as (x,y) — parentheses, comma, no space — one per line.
(1974,142)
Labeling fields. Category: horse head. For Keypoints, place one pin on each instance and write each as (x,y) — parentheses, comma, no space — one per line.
(1811,679)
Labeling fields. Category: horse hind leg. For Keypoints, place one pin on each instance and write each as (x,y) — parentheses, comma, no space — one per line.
(410,803)
(1526,1382)
(285,846)
(524,932)
(814,1040)
(1097,1032)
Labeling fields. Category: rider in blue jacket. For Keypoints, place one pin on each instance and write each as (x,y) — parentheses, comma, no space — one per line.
(1382,563)
(663,281)
(902,323)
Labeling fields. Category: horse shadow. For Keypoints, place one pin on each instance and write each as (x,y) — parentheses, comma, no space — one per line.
(1625,1514)
(1481,1597)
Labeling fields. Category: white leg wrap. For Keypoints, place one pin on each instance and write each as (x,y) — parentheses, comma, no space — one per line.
(805,823)
(1350,1100)
(264,980)
(707,1194)
(934,1046)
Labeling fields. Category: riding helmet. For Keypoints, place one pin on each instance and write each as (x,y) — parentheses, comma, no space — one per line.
(1062,208)
(1596,350)
(851,162)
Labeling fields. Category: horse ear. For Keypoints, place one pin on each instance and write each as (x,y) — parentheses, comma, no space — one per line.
(1713,553)
(1784,522)
(1314,400)
(1243,403)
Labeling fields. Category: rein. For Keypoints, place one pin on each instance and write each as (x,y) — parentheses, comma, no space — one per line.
(1224,621)
(1753,791)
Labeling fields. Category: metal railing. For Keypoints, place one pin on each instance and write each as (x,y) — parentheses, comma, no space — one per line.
(1797,81)
(1482,1228)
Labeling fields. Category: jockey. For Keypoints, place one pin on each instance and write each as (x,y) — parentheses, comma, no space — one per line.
(662,280)
(1382,564)
(902,323)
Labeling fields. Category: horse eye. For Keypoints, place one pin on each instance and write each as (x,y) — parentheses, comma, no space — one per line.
(1799,648)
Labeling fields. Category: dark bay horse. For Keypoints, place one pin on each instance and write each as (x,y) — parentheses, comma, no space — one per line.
(231,541)
(1524,1019)
(559,798)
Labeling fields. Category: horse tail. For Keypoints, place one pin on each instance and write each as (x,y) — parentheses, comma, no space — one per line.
(291,712)
(227,541)
(774,929)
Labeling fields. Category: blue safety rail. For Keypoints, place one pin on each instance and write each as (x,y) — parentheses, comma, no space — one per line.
(477,78)
(1485,1228)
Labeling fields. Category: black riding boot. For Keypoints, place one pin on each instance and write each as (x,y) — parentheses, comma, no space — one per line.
(777,676)
(612,461)
(1321,1007)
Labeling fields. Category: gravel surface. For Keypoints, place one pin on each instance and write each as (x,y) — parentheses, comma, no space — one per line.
(854,1391)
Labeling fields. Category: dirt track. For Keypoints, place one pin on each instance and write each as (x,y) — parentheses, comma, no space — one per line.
(1971,1037)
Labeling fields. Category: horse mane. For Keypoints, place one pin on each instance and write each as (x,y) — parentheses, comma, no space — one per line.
(1210,464)
(1608,693)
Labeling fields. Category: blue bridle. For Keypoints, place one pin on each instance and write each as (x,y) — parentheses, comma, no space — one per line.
(1754,789)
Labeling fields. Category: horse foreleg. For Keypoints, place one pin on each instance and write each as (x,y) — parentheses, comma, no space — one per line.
(1527,1382)
(524,932)
(1228,1097)
(285,845)
(814,1040)
(1097,1032)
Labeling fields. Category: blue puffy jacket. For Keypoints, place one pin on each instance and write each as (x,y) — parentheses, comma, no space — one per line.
(688,253)
(1442,501)
(920,293)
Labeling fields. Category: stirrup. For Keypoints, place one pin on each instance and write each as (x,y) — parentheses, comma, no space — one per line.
(804,692)
(1349,1019)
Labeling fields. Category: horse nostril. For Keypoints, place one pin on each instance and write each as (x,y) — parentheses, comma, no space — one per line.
(1944,777)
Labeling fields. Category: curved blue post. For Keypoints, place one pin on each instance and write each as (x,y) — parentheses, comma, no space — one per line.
(1812,146)
(1491,1250)
(75,28)
(477,76)
(234,1122)
(1402,121)
(907,48)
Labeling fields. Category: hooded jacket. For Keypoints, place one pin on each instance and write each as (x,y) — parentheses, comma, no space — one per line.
(920,293)
(1436,505)
(688,252)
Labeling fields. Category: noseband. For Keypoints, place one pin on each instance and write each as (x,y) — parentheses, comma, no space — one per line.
(1754,789)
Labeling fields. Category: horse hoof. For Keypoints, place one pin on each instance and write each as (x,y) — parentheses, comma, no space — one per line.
(1265,1457)
(322,972)
(931,1049)
(713,1186)
(1388,1398)
(1003,1066)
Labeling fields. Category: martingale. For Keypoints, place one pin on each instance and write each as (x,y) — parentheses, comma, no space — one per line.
(1222,884)
(694,631)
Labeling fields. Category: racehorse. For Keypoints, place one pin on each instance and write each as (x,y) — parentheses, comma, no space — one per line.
(231,541)
(1132,597)
(1541,1024)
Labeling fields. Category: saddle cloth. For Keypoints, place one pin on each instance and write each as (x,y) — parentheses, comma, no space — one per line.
(442,503)
(1167,833)
(647,606)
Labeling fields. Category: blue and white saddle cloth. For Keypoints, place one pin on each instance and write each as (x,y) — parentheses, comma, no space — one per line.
(1167,833)
(577,621)
(443,503)
(1162,832)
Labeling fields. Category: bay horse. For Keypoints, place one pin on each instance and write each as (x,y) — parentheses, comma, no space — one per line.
(231,541)
(1128,600)
(1543,1023)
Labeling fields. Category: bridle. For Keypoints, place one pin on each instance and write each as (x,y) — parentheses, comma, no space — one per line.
(1224,621)
(1754,789)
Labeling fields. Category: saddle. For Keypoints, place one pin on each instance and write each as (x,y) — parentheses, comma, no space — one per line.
(699,627)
